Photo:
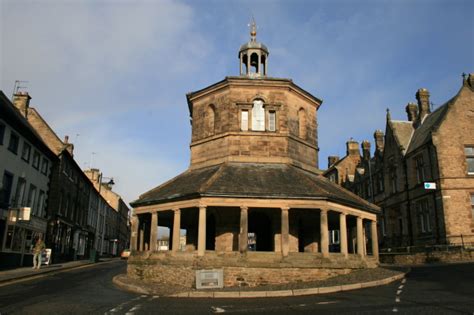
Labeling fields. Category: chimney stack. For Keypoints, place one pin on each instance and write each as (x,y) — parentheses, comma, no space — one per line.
(365,149)
(332,160)
(379,140)
(412,111)
(21,100)
(352,147)
(69,146)
(470,79)
(423,97)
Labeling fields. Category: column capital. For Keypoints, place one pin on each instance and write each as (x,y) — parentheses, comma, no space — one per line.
(202,206)
(285,208)
(244,208)
(176,209)
(324,210)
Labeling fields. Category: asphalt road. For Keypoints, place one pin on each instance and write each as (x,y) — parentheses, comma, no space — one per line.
(447,289)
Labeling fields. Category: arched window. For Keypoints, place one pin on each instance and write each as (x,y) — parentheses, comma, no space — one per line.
(211,117)
(302,123)
(258,116)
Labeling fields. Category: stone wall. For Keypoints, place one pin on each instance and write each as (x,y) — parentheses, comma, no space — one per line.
(253,269)
(427,257)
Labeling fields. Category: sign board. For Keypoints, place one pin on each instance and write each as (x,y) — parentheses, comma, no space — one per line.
(46,257)
(430,185)
(210,279)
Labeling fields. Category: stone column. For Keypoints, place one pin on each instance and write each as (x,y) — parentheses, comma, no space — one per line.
(154,231)
(142,236)
(259,64)
(241,64)
(243,237)
(375,242)
(360,237)
(343,233)
(176,229)
(324,232)
(285,228)
(134,236)
(202,231)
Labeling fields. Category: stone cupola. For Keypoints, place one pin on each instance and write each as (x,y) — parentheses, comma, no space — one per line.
(253,56)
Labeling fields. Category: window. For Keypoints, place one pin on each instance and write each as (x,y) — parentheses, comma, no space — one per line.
(44,166)
(211,116)
(380,182)
(13,145)
(469,151)
(40,204)
(6,190)
(31,198)
(423,212)
(258,116)
(36,160)
(472,207)
(302,123)
(20,192)
(244,121)
(25,153)
(393,179)
(2,133)
(271,120)
(420,169)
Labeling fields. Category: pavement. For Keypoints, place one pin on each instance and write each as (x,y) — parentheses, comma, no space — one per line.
(360,279)
(27,273)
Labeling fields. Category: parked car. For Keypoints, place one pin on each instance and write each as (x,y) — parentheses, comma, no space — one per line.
(125,254)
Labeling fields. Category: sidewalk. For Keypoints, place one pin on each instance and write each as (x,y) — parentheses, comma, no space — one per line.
(21,273)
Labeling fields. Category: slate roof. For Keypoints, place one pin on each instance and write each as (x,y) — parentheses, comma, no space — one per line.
(432,121)
(402,130)
(252,180)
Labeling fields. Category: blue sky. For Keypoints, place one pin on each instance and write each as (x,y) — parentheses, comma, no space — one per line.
(113,74)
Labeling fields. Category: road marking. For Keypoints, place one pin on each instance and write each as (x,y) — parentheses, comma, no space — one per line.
(404,280)
(399,291)
(397,299)
(326,302)
(395,310)
(120,307)
(216,309)
(401,286)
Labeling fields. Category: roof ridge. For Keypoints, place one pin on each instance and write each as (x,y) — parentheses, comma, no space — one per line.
(212,179)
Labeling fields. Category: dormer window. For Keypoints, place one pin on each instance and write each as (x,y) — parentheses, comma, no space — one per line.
(258,116)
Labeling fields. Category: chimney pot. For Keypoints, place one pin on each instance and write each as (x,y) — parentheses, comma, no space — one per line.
(412,111)
(332,160)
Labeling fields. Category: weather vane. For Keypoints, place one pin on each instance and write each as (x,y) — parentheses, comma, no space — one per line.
(253,29)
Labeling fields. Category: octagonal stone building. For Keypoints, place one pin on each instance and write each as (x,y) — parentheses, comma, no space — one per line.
(253,202)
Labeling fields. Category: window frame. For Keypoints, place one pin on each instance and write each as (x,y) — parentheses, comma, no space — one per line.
(258,115)
(420,169)
(36,160)
(2,132)
(44,166)
(246,126)
(272,120)
(469,158)
(26,148)
(14,143)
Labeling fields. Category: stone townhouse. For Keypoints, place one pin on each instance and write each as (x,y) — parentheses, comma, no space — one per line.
(253,202)
(117,228)
(68,202)
(25,165)
(428,173)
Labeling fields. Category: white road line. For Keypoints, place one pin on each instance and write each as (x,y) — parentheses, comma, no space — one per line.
(404,280)
(399,291)
(397,299)
(401,286)
(326,302)
(216,309)
(119,307)
(395,310)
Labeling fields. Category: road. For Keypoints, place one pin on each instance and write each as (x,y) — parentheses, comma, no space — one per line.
(447,289)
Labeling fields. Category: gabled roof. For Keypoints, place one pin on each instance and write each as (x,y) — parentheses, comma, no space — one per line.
(402,131)
(252,180)
(431,122)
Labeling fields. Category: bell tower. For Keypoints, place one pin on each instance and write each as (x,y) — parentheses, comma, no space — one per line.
(253,56)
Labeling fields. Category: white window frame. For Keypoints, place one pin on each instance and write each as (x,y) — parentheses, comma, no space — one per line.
(258,116)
